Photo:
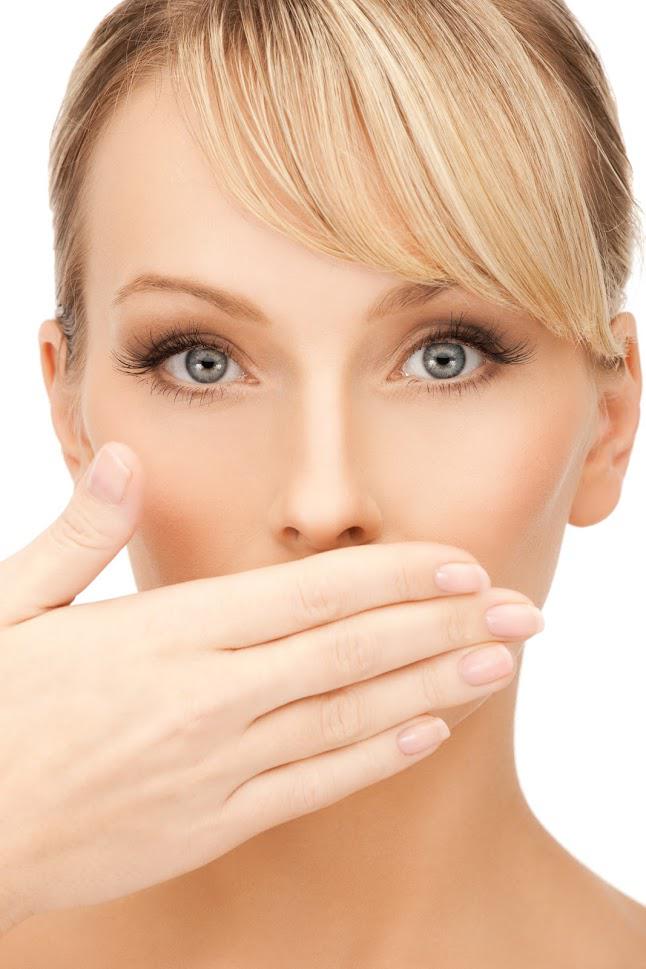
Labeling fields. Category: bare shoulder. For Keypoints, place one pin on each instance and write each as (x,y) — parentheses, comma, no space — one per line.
(588,923)
(607,927)
(630,927)
(618,941)
(564,915)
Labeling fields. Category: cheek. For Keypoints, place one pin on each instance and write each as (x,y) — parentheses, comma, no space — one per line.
(499,483)
(524,497)
(205,500)
(495,475)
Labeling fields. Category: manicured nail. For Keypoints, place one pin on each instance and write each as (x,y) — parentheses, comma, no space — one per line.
(108,477)
(486,665)
(514,619)
(461,577)
(423,736)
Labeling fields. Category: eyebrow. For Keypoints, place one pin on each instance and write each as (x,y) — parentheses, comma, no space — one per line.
(402,296)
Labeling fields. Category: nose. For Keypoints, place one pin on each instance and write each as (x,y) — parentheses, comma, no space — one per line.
(325,500)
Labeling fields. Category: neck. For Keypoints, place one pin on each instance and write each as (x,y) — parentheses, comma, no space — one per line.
(421,861)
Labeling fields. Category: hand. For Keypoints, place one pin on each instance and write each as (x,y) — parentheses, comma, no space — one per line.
(144,736)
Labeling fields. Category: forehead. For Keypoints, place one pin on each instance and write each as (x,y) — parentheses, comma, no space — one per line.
(153,204)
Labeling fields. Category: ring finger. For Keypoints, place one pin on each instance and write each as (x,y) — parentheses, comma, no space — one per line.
(352,713)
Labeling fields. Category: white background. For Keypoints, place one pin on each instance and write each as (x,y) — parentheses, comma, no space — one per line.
(581,717)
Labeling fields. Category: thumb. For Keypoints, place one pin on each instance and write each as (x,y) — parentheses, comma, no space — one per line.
(62,561)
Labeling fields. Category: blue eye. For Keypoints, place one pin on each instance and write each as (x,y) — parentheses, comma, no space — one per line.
(205,364)
(443,361)
(444,358)
(205,359)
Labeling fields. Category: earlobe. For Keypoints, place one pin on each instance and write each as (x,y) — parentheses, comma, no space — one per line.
(606,462)
(53,353)
(599,487)
(50,339)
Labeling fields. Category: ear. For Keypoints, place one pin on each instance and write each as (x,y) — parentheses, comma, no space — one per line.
(605,465)
(64,398)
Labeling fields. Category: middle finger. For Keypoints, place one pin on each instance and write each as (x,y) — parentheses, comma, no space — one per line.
(367,644)
(354,713)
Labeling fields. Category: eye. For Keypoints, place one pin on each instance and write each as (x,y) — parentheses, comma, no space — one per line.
(208,365)
(193,359)
(442,357)
(190,357)
(444,360)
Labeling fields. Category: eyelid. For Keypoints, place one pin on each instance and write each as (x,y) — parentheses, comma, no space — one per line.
(150,356)
(145,352)
(484,337)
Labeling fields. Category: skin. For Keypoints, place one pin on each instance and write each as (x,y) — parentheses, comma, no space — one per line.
(443,864)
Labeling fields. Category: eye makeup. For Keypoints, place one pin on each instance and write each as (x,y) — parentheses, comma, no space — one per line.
(144,357)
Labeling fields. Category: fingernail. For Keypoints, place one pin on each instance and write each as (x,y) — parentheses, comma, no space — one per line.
(461,577)
(514,619)
(486,665)
(423,736)
(108,477)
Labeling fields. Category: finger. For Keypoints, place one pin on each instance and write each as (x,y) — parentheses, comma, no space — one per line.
(69,554)
(366,645)
(253,607)
(292,790)
(354,713)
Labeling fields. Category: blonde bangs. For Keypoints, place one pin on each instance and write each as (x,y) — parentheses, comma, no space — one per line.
(431,145)
(467,142)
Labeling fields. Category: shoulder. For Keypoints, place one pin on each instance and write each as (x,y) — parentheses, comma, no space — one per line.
(613,933)
(574,917)
(632,926)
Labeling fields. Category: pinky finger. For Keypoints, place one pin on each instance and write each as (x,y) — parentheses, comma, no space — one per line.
(298,788)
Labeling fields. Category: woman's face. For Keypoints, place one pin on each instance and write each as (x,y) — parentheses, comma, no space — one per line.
(318,440)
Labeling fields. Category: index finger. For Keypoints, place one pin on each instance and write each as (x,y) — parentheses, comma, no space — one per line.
(259,605)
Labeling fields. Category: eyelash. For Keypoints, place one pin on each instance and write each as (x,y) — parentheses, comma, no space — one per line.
(146,356)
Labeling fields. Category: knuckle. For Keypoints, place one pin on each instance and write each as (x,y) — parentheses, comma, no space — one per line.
(194,701)
(75,527)
(406,582)
(433,686)
(197,712)
(182,715)
(315,598)
(454,623)
(342,718)
(354,653)
(306,791)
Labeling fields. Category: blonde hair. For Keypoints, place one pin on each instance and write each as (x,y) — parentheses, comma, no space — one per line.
(470,142)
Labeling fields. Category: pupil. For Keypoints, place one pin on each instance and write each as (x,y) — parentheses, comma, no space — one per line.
(444,359)
(204,365)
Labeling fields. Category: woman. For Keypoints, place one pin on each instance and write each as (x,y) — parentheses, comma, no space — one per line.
(327,151)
